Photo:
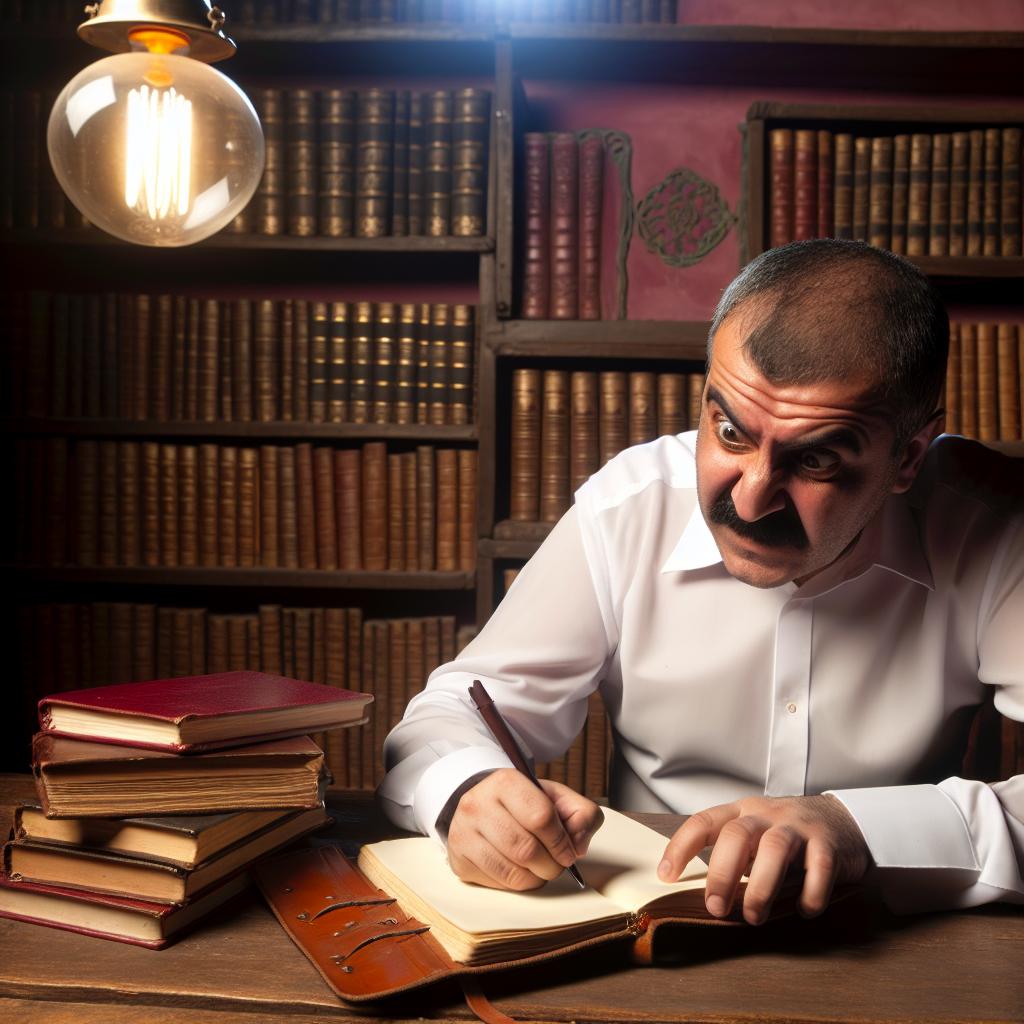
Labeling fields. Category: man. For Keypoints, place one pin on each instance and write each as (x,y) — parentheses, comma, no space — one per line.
(791,617)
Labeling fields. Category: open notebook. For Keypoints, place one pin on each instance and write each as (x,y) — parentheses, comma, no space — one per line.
(477,925)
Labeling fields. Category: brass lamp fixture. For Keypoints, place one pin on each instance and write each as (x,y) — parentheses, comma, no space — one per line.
(152,144)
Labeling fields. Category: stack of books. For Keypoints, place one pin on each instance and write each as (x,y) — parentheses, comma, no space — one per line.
(155,797)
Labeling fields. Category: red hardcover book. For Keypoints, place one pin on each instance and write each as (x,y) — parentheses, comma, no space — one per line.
(536,269)
(195,713)
(591,195)
(103,916)
(805,185)
(565,240)
(782,154)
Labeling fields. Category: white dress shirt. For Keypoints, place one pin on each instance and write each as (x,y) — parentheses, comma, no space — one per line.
(862,682)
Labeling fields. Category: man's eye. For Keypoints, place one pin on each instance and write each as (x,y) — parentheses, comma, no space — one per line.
(728,433)
(819,462)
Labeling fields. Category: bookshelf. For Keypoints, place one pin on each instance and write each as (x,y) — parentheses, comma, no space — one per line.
(543,77)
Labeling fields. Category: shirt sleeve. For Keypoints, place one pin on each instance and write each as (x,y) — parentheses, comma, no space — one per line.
(540,656)
(960,843)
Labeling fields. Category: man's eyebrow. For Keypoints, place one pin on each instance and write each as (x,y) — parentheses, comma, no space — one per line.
(837,437)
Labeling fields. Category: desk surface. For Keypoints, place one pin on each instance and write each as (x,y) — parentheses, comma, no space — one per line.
(856,964)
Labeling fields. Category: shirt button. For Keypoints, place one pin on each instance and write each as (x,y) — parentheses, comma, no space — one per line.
(791,708)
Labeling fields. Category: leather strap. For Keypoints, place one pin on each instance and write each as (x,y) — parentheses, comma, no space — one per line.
(483,1007)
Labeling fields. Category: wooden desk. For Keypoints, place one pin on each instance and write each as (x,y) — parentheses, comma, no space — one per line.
(856,964)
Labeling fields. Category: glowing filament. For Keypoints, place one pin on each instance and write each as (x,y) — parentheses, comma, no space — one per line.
(158,152)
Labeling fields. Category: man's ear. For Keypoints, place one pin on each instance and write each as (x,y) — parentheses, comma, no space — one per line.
(915,451)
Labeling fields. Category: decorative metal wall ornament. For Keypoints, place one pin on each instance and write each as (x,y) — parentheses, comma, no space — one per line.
(619,146)
(683,218)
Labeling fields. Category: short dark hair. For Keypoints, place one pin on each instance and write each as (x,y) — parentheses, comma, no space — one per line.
(832,306)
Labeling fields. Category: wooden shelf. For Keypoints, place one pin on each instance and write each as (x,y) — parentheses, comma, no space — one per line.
(517,549)
(600,339)
(516,530)
(329,34)
(254,578)
(252,431)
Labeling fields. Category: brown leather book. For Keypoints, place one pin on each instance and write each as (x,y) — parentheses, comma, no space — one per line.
(188,505)
(397,632)
(460,368)
(425,503)
(190,378)
(58,345)
(991,209)
(826,184)
(471,115)
(169,486)
(374,511)
(396,514)
(160,367)
(368,684)
(643,407)
(861,186)
(613,415)
(385,344)
(805,184)
(263,368)
(952,388)
(405,365)
(1009,195)
(140,357)
(354,669)
(269,548)
(270,638)
(524,458)
(93,343)
(225,376)
(305,505)
(554,445)
(375,109)
(959,158)
(209,359)
(414,186)
(694,398)
(440,345)
(337,364)
(336,149)
(938,218)
(81,779)
(1008,382)
(348,506)
(919,201)
(880,192)
(302,640)
(597,747)
(238,642)
(269,201)
(564,240)
(447,483)
(467,506)
(287,515)
(319,332)
(415,660)
(410,510)
(208,505)
(591,201)
(968,380)
(120,642)
(423,335)
(335,642)
(975,191)
(437,159)
(671,403)
(361,364)
(843,192)
(988,387)
(87,483)
(143,641)
(447,631)
(400,166)
(301,162)
(781,160)
(128,503)
(286,361)
(248,519)
(150,502)
(227,506)
(217,646)
(301,359)
(537,263)
(584,450)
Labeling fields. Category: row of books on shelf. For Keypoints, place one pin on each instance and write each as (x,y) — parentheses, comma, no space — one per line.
(156,798)
(340,163)
(343,12)
(67,646)
(563,197)
(371,163)
(985,381)
(123,503)
(565,425)
(172,358)
(946,193)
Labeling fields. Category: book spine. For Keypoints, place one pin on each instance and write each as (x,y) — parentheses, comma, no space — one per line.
(139,395)
(554,445)
(968,380)
(300,155)
(337,363)
(87,502)
(991,205)
(269,500)
(168,546)
(374,510)
(127,504)
(938,215)
(900,193)
(287,511)
(564,259)
(225,375)
(1009,206)
(988,389)
(336,162)
(861,186)
(227,504)
(439,359)
(591,201)
(241,360)
(467,504)
(400,166)
(583,432)
(248,488)
(470,120)
(460,377)
(642,407)
(671,403)
(405,371)
(414,185)
(209,358)
(613,423)
(446,468)
(348,504)
(425,486)
(423,335)
(805,184)
(410,512)
(361,364)
(975,191)
(437,182)
(163,333)
(319,343)
(396,514)
(384,363)
(305,506)
(826,184)
(782,155)
(301,360)
(286,361)
(960,146)
(880,193)
(952,425)
(919,202)
(326,516)
(694,398)
(536,272)
(525,446)
(1009,385)
(374,138)
(843,192)
(188,505)
(208,505)
(269,201)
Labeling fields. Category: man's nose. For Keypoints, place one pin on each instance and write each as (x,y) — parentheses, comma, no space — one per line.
(759,491)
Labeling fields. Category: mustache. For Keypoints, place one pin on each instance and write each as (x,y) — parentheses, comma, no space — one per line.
(781,529)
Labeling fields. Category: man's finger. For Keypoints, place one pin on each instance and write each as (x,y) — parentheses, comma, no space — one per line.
(517,845)
(580,816)
(820,867)
(699,830)
(480,863)
(536,814)
(736,845)
(775,852)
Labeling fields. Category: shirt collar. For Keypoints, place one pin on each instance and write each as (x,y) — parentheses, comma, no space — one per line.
(897,544)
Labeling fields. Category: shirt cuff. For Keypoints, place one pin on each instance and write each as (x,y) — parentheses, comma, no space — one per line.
(444,776)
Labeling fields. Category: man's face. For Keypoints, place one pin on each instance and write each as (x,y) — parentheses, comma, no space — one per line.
(788,475)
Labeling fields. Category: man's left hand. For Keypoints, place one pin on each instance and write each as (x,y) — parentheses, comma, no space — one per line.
(761,837)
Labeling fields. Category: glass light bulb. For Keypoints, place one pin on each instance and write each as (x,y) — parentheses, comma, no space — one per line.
(156,149)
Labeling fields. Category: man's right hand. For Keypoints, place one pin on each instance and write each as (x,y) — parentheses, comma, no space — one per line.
(507,834)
